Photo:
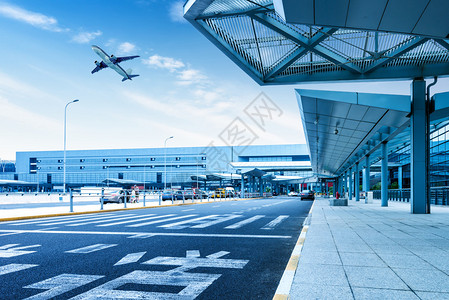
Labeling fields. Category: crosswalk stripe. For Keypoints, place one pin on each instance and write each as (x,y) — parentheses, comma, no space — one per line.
(130,216)
(53,219)
(72,221)
(91,248)
(181,225)
(160,221)
(244,222)
(11,268)
(275,222)
(220,220)
(137,220)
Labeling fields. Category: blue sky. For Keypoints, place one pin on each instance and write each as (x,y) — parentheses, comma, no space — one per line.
(187,88)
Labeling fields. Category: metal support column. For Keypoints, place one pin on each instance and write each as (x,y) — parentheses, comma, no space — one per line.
(384,175)
(350,185)
(418,169)
(242,188)
(400,177)
(367,178)
(357,182)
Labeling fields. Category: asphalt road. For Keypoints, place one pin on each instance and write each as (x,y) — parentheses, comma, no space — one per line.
(221,250)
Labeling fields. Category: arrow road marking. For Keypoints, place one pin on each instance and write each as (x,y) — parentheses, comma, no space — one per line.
(130,258)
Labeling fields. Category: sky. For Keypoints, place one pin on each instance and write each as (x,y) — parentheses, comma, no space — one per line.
(187,88)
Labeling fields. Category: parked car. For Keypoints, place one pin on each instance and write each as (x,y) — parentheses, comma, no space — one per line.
(198,193)
(293,194)
(307,194)
(116,196)
(168,195)
(188,194)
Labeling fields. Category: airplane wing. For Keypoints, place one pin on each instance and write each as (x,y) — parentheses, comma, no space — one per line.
(99,67)
(125,58)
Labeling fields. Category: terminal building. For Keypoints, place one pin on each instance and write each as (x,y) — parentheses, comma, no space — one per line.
(156,168)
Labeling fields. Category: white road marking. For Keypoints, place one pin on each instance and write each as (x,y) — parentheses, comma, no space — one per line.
(11,250)
(104,220)
(188,209)
(11,233)
(141,236)
(160,221)
(192,261)
(246,236)
(192,253)
(91,248)
(219,220)
(136,220)
(182,224)
(72,221)
(244,222)
(218,254)
(53,219)
(11,268)
(130,258)
(194,283)
(275,222)
(59,285)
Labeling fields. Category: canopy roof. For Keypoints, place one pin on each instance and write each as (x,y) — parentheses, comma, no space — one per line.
(376,39)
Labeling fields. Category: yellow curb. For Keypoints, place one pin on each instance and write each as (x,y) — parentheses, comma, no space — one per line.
(280,297)
(117,209)
(293,263)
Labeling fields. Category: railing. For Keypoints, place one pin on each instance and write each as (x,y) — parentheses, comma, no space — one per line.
(438,195)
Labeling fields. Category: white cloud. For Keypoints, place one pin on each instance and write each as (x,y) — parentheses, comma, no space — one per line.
(126,47)
(86,37)
(162,62)
(176,12)
(190,76)
(32,18)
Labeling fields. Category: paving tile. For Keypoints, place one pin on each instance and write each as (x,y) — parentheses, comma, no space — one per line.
(320,292)
(374,277)
(382,294)
(405,261)
(361,259)
(320,274)
(424,280)
(320,257)
(433,296)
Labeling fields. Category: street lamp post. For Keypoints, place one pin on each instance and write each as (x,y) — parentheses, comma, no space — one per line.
(165,161)
(65,139)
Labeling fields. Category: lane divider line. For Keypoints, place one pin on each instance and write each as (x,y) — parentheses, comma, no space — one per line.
(285,285)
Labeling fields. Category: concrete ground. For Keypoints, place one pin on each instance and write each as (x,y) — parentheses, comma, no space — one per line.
(365,251)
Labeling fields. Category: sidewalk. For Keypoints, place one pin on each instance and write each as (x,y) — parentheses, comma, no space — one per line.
(365,251)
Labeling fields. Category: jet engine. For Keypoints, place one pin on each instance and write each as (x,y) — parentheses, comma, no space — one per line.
(97,63)
(113,58)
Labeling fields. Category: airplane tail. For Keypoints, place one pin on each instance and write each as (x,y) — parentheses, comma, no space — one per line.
(129,77)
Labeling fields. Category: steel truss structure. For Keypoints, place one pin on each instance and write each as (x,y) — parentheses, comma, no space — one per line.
(272,51)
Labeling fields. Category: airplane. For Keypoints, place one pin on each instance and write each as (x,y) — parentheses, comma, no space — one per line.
(113,63)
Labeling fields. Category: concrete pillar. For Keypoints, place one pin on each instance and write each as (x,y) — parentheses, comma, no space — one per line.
(400,177)
(384,175)
(357,182)
(261,186)
(418,170)
(350,184)
(367,174)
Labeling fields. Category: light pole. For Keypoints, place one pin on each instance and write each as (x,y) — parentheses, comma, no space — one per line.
(165,161)
(65,137)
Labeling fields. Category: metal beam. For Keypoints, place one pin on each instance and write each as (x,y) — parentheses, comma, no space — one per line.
(404,48)
(300,52)
(289,33)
